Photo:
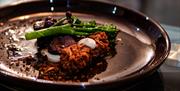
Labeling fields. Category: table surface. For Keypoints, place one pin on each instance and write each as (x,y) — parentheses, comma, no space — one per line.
(170,71)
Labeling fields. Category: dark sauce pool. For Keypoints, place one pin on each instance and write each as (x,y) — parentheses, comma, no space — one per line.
(19,57)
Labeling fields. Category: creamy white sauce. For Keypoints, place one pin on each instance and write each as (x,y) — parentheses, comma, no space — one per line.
(51,57)
(88,42)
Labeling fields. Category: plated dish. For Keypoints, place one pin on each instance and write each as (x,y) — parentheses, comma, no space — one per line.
(134,46)
(63,49)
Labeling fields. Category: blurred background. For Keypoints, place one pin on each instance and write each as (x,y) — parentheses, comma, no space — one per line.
(164,11)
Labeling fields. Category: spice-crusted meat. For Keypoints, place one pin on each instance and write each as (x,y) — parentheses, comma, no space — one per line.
(101,39)
(74,57)
(77,56)
(102,44)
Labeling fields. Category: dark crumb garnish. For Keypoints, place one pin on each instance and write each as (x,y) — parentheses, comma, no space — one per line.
(51,71)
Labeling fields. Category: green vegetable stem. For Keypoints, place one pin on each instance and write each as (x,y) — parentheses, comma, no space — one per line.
(76,28)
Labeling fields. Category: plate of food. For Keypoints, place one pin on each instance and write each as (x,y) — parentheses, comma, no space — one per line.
(92,45)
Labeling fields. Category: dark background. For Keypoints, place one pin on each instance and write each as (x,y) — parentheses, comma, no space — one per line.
(165,11)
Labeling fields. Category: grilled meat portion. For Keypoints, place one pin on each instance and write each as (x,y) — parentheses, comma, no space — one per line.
(60,42)
(74,58)
(77,56)
(102,44)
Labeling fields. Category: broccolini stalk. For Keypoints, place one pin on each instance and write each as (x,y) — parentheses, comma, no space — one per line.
(56,30)
(77,27)
(104,28)
(60,21)
(86,24)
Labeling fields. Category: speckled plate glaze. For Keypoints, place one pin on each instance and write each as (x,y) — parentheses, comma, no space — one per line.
(142,45)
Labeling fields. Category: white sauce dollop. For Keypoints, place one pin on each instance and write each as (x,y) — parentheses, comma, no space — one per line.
(51,57)
(88,42)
